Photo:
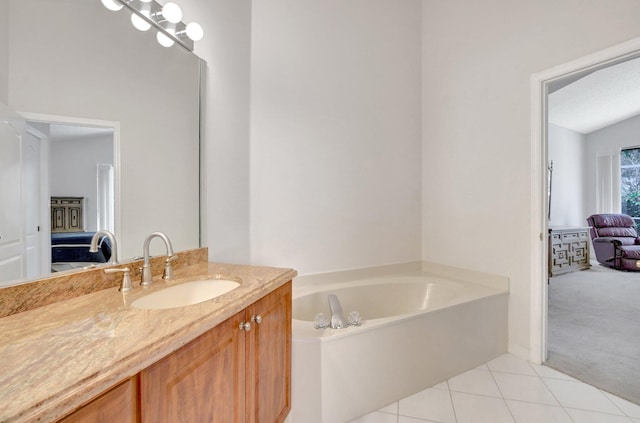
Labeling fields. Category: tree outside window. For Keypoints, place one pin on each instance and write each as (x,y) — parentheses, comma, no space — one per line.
(630,182)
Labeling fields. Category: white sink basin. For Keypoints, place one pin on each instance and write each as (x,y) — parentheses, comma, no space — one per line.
(185,294)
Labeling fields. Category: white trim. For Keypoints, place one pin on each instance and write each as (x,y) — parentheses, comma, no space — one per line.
(539,84)
(105,196)
(44,236)
(40,117)
(518,351)
(537,341)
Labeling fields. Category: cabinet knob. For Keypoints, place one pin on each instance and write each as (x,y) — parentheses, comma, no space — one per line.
(246,326)
(256,318)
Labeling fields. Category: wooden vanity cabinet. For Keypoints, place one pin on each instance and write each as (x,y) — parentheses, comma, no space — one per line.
(268,355)
(239,371)
(201,382)
(118,404)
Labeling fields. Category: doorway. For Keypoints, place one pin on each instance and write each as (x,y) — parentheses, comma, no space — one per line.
(542,84)
(76,163)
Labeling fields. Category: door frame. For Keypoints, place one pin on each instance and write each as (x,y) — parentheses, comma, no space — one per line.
(540,83)
(69,120)
(44,234)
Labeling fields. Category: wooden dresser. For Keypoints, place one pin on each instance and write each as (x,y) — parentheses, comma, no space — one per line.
(568,250)
(67,214)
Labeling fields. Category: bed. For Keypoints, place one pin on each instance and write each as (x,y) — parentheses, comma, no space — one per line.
(70,250)
(69,242)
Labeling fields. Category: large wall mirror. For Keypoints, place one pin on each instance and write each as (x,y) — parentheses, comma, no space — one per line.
(114,111)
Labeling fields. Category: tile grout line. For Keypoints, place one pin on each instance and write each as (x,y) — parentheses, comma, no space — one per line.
(553,395)
(584,409)
(501,393)
(453,405)
(606,395)
(544,379)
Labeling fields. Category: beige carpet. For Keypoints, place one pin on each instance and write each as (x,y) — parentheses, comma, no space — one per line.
(594,329)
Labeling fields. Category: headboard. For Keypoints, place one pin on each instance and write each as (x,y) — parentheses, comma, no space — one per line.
(67,214)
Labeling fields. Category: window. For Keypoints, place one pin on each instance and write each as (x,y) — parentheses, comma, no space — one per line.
(630,182)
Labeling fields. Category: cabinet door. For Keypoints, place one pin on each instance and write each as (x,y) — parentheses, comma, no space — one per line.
(269,358)
(116,405)
(201,382)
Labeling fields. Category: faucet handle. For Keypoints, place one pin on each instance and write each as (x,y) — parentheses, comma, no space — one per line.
(126,278)
(168,270)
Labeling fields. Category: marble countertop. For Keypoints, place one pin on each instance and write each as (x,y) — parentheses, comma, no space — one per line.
(56,357)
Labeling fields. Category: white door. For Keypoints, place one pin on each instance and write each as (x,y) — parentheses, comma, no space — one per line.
(11,237)
(31,197)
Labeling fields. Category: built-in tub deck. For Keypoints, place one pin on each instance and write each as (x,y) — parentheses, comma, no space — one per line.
(421,324)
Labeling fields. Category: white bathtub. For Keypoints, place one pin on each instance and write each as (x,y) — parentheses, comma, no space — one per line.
(418,330)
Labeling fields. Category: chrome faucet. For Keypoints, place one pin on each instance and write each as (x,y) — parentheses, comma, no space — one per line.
(337,319)
(112,240)
(145,275)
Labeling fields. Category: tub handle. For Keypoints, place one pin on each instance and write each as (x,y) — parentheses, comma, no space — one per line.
(256,318)
(246,326)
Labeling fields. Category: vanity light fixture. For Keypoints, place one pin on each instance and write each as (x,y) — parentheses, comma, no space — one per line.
(166,19)
(172,12)
(163,40)
(112,5)
(193,31)
(139,23)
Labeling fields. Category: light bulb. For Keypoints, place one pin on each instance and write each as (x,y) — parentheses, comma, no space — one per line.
(195,31)
(163,40)
(172,12)
(112,5)
(139,23)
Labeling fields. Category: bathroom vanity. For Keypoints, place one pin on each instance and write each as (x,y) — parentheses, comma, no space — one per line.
(226,374)
(96,358)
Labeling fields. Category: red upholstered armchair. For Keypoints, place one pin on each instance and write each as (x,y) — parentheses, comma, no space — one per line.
(615,241)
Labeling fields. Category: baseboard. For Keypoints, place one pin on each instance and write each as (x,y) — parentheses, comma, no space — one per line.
(519,351)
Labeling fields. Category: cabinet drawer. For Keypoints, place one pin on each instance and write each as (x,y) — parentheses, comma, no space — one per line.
(574,236)
(570,236)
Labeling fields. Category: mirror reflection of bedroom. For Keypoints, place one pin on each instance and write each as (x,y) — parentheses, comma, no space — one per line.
(70,180)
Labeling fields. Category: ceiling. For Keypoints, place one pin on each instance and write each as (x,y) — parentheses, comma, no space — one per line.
(599,99)
(60,132)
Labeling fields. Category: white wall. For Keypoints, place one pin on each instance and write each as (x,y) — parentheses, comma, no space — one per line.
(4,51)
(316,202)
(568,197)
(73,171)
(335,133)
(478,58)
(608,142)
(335,163)
(226,49)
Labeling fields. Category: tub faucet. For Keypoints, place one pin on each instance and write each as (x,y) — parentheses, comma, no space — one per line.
(337,319)
(145,274)
(112,240)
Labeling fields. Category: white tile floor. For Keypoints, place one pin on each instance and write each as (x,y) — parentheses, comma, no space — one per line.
(509,390)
